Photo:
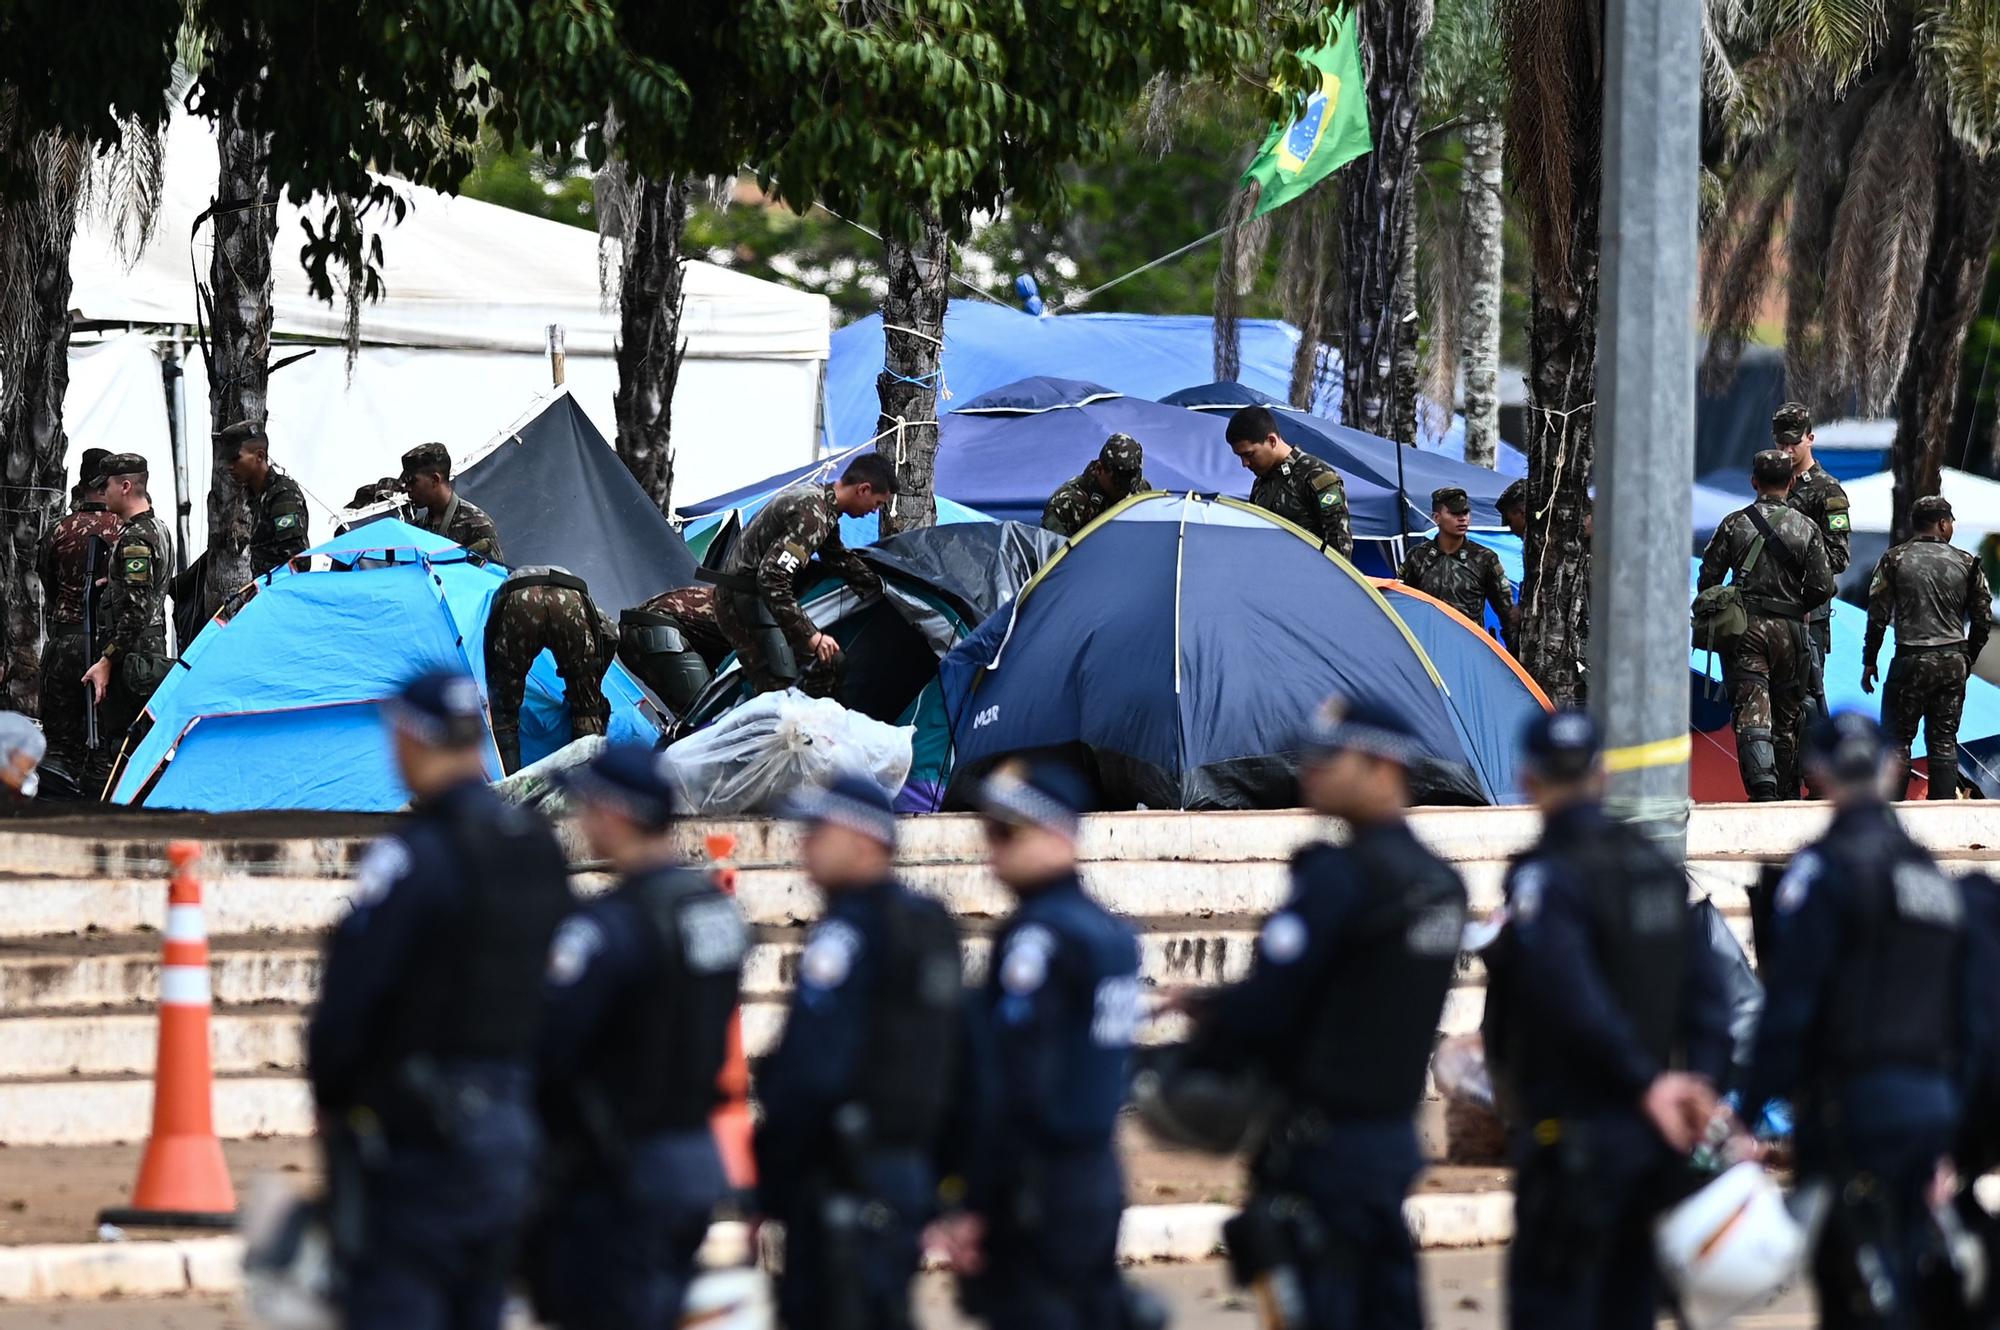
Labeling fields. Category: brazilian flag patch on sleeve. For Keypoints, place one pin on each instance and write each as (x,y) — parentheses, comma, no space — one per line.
(285,522)
(1838,522)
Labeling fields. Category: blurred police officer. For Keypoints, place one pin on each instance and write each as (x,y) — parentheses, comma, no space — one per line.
(641,986)
(1931,591)
(857,1093)
(1303,489)
(1820,497)
(1118,471)
(1340,1011)
(1607,1027)
(421,1050)
(1868,1013)
(1061,1012)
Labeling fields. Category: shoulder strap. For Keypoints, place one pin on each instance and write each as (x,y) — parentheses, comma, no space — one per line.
(1779,550)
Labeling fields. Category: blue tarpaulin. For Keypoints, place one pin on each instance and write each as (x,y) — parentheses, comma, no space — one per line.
(278,706)
(1178,645)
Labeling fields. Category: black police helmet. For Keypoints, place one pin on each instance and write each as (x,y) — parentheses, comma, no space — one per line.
(1562,745)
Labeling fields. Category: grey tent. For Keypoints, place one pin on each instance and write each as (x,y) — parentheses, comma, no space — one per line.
(558,494)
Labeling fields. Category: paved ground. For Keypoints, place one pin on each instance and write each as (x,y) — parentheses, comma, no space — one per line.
(1463,1289)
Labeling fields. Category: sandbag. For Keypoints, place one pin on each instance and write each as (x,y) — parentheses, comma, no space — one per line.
(778,742)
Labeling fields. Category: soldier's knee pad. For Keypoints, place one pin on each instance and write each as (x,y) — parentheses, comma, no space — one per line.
(655,647)
(1758,756)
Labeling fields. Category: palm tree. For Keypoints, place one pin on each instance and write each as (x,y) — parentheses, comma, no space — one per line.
(1862,147)
(646,219)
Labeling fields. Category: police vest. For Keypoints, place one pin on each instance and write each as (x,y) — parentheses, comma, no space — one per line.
(657,1059)
(1368,1046)
(476,990)
(1637,901)
(1895,1001)
(910,1056)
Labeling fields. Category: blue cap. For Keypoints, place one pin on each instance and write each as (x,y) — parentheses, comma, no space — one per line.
(1045,793)
(440,707)
(1343,726)
(1562,744)
(854,802)
(634,779)
(1849,744)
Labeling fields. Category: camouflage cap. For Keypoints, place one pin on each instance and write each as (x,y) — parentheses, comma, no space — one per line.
(1791,423)
(1771,467)
(1452,499)
(427,457)
(123,464)
(1930,510)
(91,465)
(1514,496)
(1122,455)
(233,437)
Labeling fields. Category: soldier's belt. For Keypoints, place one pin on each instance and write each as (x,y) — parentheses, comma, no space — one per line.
(1774,609)
(1929,648)
(743,583)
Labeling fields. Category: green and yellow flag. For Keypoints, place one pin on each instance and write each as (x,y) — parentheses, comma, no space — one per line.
(1330,132)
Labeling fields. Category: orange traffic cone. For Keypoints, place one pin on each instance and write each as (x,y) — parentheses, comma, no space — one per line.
(183,1182)
(731,1119)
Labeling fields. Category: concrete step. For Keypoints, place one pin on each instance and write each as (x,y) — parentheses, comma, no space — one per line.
(68,1111)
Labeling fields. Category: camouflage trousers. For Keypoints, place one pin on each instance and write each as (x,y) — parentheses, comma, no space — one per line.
(65,656)
(524,623)
(1766,677)
(733,613)
(693,608)
(1927,688)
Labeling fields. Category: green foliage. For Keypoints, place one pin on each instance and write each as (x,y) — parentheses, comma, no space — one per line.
(813,251)
(557,188)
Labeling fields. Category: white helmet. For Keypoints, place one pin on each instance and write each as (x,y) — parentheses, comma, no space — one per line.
(1730,1248)
(732,1298)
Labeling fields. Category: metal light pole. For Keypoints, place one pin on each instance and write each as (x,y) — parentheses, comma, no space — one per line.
(1645,413)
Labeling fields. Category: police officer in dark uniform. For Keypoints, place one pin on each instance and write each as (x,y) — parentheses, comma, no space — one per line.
(1869,1014)
(279,524)
(1937,597)
(1291,482)
(65,567)
(641,987)
(1466,576)
(132,613)
(1779,565)
(859,1093)
(1607,1026)
(421,1050)
(1340,1011)
(1819,496)
(1062,1008)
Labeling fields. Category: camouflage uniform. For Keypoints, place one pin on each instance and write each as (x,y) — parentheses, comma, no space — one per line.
(1308,492)
(1820,497)
(1468,581)
(537,609)
(467,524)
(1765,671)
(693,608)
(1082,501)
(278,523)
(133,615)
(768,564)
(1929,590)
(63,567)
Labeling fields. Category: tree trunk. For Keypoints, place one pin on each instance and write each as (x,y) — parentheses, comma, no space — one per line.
(35,236)
(1377,257)
(913,353)
(1954,276)
(1481,255)
(649,342)
(1562,391)
(239,366)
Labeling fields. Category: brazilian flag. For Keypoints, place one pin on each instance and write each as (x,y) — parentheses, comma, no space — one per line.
(1331,130)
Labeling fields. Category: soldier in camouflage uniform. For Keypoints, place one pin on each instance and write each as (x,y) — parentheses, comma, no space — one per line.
(1513,507)
(1820,497)
(64,569)
(757,597)
(1783,575)
(543,608)
(1290,482)
(427,477)
(278,521)
(1463,575)
(132,613)
(693,608)
(1931,591)
(1120,470)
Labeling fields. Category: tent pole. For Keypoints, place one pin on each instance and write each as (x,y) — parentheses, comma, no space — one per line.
(173,380)
(558,358)
(1402,497)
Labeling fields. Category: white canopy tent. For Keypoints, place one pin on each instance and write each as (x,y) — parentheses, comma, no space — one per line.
(452,352)
(1975,504)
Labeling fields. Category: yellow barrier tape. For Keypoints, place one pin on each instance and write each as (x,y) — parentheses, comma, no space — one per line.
(1659,753)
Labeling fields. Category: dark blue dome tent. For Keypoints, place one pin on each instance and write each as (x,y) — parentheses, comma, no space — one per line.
(1175,647)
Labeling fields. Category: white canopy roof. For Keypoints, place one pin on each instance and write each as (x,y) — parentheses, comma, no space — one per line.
(459,273)
(1975,504)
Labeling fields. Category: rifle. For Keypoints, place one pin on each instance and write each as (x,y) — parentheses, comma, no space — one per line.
(93,556)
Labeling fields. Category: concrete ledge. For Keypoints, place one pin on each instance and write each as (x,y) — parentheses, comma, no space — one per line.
(74,1112)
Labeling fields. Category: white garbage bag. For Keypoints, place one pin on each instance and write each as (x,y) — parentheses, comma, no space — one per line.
(778,742)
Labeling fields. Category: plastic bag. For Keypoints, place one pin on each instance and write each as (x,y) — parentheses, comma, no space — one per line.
(778,742)
(536,786)
(1474,1133)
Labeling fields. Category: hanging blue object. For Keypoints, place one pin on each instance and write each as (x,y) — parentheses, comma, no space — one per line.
(1031,295)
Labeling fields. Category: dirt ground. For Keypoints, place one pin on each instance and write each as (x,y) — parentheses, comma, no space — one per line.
(53,1194)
